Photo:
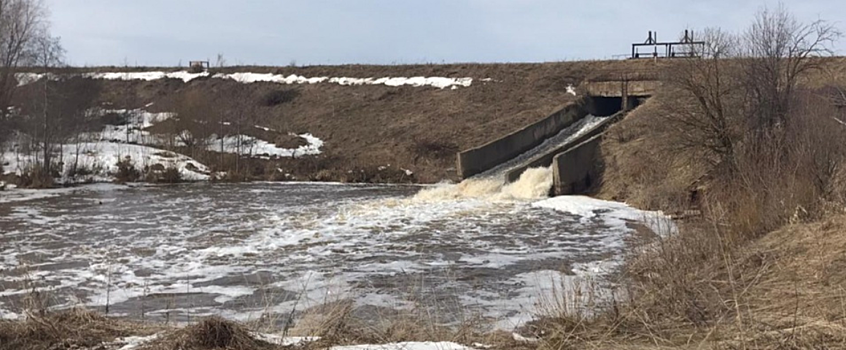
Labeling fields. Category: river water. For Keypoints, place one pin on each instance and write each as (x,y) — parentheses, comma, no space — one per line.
(247,250)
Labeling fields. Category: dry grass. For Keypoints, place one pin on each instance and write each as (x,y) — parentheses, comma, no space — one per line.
(210,333)
(66,329)
(698,289)
(641,167)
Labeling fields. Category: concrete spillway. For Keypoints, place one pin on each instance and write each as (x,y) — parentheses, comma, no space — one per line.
(569,136)
(544,144)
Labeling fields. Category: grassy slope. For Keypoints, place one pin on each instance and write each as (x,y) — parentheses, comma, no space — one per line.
(416,128)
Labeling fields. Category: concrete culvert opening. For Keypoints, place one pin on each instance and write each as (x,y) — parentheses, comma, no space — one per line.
(604,106)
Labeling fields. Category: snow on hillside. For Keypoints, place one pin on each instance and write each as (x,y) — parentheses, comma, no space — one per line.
(438,82)
(101,159)
(251,146)
(99,152)
(132,130)
(137,120)
(182,75)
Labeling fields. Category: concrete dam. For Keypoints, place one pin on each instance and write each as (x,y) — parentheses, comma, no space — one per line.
(567,140)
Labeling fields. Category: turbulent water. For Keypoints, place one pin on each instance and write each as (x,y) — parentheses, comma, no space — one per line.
(243,250)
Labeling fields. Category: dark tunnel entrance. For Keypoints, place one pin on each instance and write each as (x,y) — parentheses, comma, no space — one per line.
(605,106)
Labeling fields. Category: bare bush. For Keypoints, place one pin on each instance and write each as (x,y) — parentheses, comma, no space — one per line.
(780,51)
(277,97)
(194,123)
(738,110)
(705,116)
(23,28)
(127,171)
(433,149)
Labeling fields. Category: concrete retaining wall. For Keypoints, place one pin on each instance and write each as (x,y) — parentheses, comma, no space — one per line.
(487,156)
(622,88)
(544,160)
(577,169)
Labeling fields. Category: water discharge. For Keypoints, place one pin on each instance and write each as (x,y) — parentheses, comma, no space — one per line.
(534,183)
(247,251)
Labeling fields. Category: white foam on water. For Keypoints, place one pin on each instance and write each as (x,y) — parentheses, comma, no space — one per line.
(24,195)
(612,213)
(533,184)
(368,243)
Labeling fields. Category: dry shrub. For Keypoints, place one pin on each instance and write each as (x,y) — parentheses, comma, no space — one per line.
(35,177)
(340,322)
(127,171)
(278,97)
(331,321)
(170,175)
(641,168)
(66,329)
(210,333)
(787,175)
(433,149)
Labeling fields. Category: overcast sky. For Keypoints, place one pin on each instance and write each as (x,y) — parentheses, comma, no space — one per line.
(279,32)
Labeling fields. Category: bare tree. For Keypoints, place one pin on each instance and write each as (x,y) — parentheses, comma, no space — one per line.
(38,108)
(704,113)
(780,50)
(241,114)
(48,54)
(22,24)
(193,123)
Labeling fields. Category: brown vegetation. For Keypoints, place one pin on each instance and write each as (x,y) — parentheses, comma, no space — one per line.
(76,328)
(369,126)
(210,333)
(759,152)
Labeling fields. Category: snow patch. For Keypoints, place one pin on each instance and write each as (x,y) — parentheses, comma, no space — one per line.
(284,341)
(522,339)
(148,76)
(101,159)
(246,78)
(251,146)
(405,346)
(29,78)
(130,343)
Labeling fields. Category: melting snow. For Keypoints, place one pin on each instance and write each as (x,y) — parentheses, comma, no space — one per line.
(130,343)
(284,341)
(405,346)
(102,158)
(182,75)
(251,146)
(438,82)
